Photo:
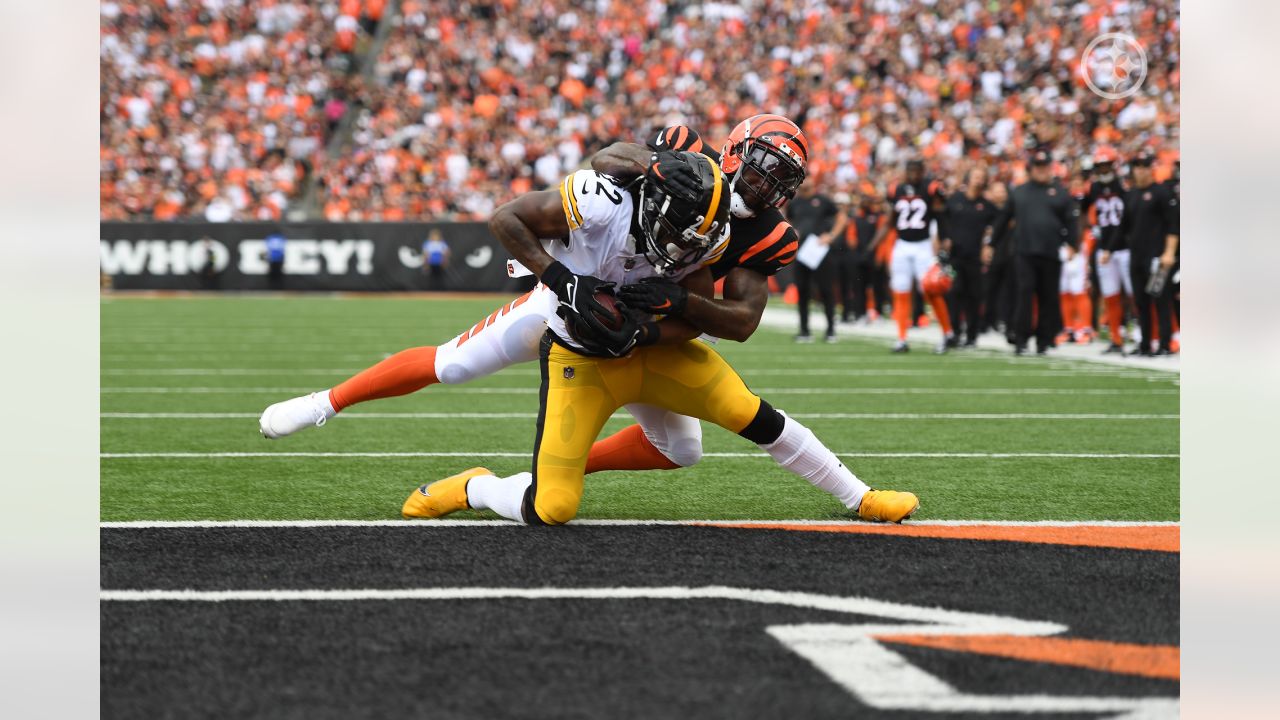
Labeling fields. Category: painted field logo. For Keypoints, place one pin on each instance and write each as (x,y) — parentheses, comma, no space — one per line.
(856,654)
(1114,65)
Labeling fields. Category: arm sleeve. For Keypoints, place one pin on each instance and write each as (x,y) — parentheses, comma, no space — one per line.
(770,253)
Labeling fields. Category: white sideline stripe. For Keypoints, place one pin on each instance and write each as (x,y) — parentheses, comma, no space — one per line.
(759,391)
(955,621)
(447,523)
(531,416)
(487,453)
(782,372)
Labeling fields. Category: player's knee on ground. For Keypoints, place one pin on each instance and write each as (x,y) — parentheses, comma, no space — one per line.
(550,505)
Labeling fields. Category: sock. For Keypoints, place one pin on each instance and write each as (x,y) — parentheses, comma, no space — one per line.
(1114,308)
(799,450)
(902,313)
(939,305)
(501,495)
(1067,302)
(405,372)
(627,449)
(1084,312)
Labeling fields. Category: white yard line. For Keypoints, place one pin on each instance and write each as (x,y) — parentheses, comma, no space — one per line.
(530,416)
(447,523)
(489,453)
(152,390)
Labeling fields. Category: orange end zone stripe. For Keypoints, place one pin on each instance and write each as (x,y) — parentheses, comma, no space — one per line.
(1163,538)
(1155,661)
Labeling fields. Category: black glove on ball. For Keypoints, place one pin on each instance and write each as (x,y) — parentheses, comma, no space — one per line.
(577,295)
(655,295)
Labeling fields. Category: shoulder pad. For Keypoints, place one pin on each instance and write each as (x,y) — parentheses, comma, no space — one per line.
(589,198)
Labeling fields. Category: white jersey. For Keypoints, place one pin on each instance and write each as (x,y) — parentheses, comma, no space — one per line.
(600,243)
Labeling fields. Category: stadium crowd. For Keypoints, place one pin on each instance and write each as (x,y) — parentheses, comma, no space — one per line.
(222,107)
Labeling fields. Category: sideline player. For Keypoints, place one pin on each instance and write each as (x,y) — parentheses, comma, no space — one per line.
(915,202)
(1150,225)
(766,156)
(588,373)
(1105,197)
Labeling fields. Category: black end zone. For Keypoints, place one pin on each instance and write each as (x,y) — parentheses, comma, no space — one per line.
(578,658)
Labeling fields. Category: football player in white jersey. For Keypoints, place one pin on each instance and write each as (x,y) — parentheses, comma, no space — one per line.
(601,214)
(510,334)
(591,367)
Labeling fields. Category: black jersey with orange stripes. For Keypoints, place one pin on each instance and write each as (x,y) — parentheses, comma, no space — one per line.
(765,243)
(913,206)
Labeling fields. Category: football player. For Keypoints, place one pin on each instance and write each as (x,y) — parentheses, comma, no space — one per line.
(590,368)
(1151,228)
(1104,202)
(766,156)
(915,202)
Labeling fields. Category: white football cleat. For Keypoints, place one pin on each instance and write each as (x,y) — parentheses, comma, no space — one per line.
(290,416)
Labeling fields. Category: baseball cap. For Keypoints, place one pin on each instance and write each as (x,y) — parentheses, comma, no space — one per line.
(1041,157)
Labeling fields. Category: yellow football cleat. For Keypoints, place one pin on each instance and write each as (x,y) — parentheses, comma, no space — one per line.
(888,506)
(442,496)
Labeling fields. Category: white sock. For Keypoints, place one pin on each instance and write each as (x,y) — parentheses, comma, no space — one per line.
(801,452)
(328,404)
(501,495)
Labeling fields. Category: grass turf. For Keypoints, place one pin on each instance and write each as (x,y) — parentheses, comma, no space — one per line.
(238,354)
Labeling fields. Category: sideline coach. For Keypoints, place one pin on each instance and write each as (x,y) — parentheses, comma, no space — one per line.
(1045,218)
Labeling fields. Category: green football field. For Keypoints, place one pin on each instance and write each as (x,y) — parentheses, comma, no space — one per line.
(976,435)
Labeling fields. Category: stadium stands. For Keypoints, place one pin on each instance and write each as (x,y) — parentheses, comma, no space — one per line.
(221,112)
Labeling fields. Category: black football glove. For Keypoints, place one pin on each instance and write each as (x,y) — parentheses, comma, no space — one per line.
(675,173)
(610,343)
(577,295)
(655,295)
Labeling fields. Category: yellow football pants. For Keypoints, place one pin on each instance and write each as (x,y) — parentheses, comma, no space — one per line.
(579,393)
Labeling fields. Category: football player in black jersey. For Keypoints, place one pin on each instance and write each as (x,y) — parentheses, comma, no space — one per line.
(1151,227)
(1174,184)
(968,229)
(863,221)
(765,157)
(914,203)
(1103,202)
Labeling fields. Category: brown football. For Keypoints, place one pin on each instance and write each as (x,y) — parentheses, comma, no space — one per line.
(613,320)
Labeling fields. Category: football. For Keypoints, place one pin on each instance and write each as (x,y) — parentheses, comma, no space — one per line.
(614,319)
